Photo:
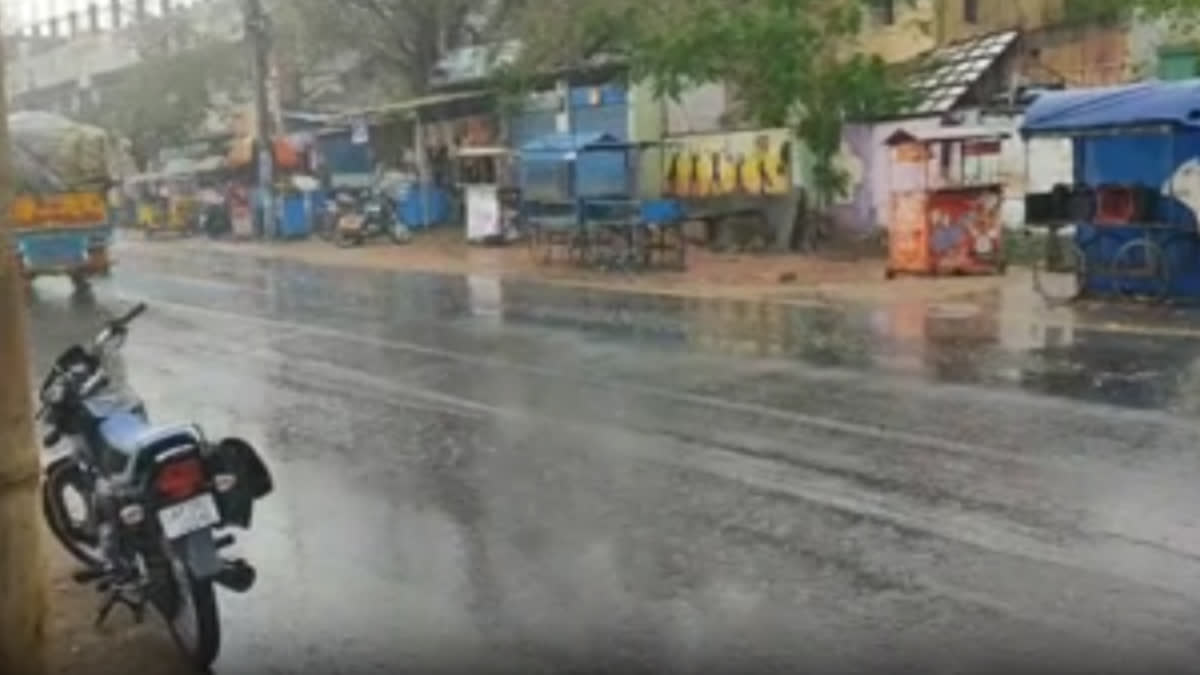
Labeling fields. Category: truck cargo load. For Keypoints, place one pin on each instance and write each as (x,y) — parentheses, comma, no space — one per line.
(53,154)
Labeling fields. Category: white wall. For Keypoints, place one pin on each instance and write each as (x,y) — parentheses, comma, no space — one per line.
(698,110)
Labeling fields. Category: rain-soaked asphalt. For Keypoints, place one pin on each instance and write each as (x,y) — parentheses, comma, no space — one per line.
(485,477)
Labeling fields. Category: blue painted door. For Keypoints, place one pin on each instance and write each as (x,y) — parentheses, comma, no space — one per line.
(601,110)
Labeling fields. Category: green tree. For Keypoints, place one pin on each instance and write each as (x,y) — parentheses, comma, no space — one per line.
(791,62)
(1119,10)
(397,42)
(165,98)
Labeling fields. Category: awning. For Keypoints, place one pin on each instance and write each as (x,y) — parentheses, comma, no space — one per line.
(484,151)
(183,166)
(407,107)
(1146,104)
(964,133)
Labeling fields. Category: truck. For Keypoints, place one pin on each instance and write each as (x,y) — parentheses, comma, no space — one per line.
(59,216)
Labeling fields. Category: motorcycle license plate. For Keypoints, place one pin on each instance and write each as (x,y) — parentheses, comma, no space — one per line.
(187,517)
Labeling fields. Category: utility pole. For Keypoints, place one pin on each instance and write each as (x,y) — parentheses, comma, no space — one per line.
(258,34)
(23,583)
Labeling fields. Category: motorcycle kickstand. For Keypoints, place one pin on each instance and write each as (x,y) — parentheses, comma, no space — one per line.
(116,597)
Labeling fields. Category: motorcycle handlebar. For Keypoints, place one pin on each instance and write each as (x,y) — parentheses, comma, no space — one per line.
(129,316)
(117,327)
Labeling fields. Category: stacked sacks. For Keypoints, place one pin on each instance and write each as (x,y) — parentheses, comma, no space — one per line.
(54,154)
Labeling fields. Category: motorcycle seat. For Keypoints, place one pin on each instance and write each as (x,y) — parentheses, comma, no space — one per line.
(124,432)
(128,433)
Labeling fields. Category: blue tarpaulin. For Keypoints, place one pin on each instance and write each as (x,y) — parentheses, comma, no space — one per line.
(1144,104)
(565,143)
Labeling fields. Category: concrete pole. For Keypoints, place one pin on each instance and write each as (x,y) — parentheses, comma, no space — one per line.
(23,583)
(258,34)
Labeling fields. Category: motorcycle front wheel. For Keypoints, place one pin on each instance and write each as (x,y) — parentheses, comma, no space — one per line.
(189,607)
(78,533)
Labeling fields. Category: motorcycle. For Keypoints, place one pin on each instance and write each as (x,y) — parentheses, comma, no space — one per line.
(341,204)
(363,218)
(152,502)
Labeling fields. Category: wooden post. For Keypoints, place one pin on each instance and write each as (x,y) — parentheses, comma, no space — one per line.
(23,583)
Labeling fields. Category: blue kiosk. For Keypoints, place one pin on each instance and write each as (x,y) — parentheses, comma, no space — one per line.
(579,194)
(1134,202)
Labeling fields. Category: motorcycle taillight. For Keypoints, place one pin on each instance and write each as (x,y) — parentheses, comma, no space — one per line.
(180,479)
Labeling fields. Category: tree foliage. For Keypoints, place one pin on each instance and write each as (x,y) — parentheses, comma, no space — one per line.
(791,62)
(398,41)
(1120,10)
(166,97)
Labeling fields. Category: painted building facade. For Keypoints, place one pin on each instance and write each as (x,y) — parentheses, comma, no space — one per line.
(1053,46)
(1037,165)
(1045,49)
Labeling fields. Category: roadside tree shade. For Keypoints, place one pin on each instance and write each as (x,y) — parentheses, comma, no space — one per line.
(23,587)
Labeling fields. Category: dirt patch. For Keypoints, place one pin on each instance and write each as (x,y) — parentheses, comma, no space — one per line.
(119,648)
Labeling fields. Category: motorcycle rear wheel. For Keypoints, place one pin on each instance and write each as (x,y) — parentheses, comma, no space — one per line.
(191,615)
(80,539)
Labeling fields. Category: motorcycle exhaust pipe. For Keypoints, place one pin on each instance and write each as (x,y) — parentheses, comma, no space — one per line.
(237,576)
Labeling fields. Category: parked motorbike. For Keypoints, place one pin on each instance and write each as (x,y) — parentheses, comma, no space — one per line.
(144,507)
(367,217)
(213,221)
(342,203)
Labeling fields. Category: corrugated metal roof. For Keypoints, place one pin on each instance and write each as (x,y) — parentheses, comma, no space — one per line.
(946,74)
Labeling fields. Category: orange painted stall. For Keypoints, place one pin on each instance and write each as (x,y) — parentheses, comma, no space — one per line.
(946,198)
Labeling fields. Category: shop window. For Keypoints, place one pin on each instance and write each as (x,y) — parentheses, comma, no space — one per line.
(1178,63)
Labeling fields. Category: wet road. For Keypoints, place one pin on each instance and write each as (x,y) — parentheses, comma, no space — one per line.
(519,478)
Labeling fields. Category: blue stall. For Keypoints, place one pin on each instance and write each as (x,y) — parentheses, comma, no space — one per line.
(579,192)
(350,162)
(600,110)
(298,213)
(1135,197)
(562,167)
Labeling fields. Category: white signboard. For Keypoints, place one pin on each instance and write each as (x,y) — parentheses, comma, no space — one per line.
(483,212)
(359,133)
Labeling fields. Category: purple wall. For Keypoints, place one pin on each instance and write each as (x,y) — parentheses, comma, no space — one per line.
(855,211)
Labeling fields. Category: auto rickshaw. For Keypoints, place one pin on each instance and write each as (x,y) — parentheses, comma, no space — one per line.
(166,204)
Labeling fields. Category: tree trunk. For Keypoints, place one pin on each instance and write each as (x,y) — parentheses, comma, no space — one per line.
(23,585)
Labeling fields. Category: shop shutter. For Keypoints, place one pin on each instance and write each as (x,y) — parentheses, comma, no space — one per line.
(530,126)
(602,119)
